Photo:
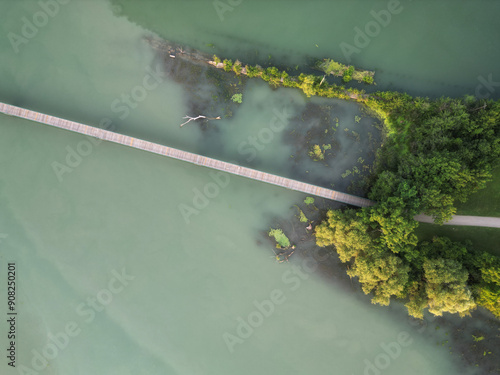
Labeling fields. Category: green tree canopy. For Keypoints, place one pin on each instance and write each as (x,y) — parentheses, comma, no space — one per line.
(447,288)
(382,274)
(443,150)
(346,231)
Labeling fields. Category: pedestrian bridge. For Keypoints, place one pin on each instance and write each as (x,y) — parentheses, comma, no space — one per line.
(185,156)
(493,222)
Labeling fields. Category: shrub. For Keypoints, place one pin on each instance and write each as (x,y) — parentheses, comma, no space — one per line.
(228,65)
(274,81)
(309,200)
(217,59)
(280,237)
(302,216)
(332,67)
(237,98)
(252,71)
(237,67)
(358,75)
(272,71)
(368,80)
(316,153)
(307,84)
(348,74)
(289,82)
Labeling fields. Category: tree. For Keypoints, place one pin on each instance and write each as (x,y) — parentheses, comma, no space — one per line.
(396,225)
(252,71)
(443,247)
(346,232)
(306,83)
(446,287)
(368,80)
(348,74)
(386,184)
(488,289)
(417,299)
(382,273)
(272,71)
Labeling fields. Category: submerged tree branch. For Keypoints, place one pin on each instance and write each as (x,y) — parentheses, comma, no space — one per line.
(197,118)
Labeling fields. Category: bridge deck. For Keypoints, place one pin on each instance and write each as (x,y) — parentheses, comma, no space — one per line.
(184,156)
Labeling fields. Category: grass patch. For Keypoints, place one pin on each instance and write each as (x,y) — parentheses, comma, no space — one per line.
(483,239)
(485,202)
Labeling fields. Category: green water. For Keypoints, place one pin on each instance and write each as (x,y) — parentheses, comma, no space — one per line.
(193,280)
(429,48)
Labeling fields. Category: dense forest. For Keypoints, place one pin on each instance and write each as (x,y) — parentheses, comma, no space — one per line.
(436,152)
